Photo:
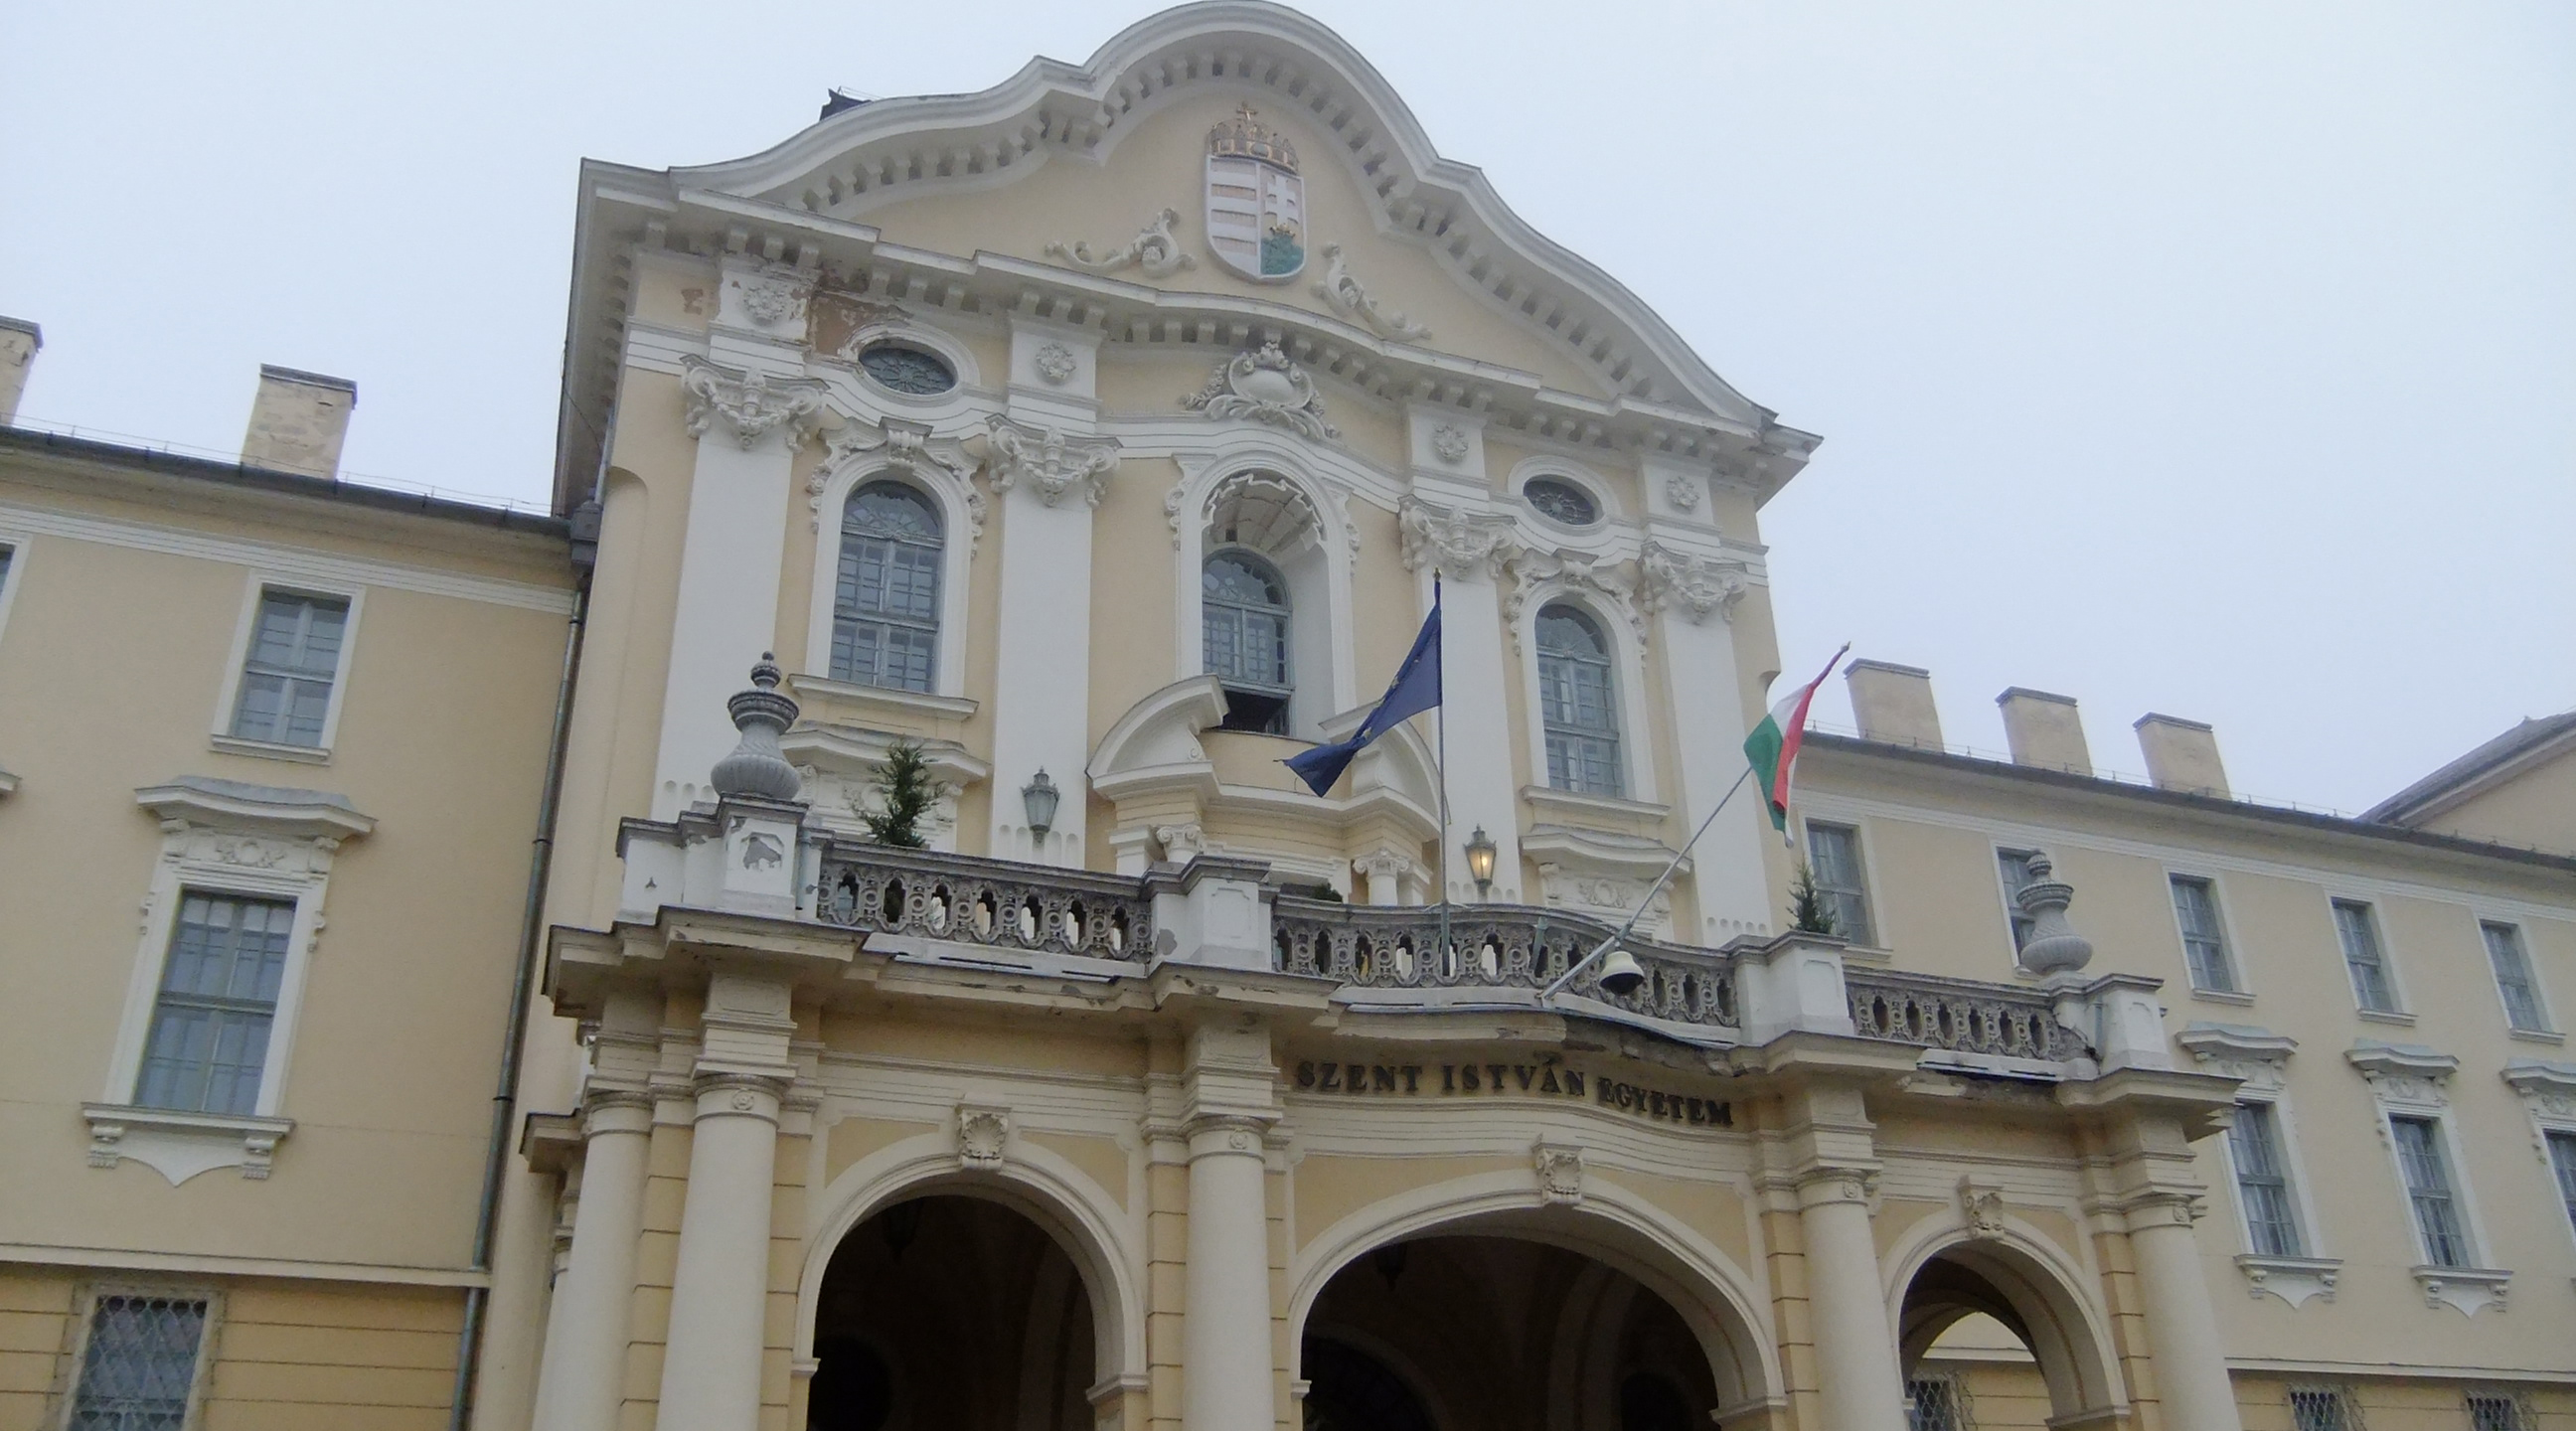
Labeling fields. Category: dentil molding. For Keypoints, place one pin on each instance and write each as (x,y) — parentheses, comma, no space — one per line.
(750,404)
(1049,460)
(1153,252)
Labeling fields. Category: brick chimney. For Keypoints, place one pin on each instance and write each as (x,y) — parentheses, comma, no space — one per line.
(2042,730)
(19,340)
(2181,754)
(298,421)
(1892,704)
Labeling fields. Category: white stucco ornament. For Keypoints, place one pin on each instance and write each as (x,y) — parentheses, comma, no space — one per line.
(1049,460)
(1256,202)
(1055,363)
(772,299)
(1353,299)
(1462,544)
(750,404)
(1152,252)
(1668,578)
(1266,386)
(1449,443)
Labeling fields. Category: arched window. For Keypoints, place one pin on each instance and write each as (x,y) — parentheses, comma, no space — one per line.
(885,606)
(1577,704)
(1244,613)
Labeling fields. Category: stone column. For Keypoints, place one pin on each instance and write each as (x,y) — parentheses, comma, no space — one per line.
(1225,1333)
(1856,1360)
(2182,1326)
(578,1388)
(720,1290)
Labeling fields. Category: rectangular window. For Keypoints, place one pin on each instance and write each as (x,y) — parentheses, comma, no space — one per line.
(2015,866)
(218,997)
(2428,1187)
(140,1364)
(286,676)
(2263,1181)
(2513,978)
(2204,945)
(1932,1404)
(2562,1161)
(2494,1413)
(2358,932)
(1833,856)
(2321,1409)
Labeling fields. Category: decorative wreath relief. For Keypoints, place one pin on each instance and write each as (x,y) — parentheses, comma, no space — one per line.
(1449,443)
(980,1135)
(1055,363)
(1683,492)
(771,301)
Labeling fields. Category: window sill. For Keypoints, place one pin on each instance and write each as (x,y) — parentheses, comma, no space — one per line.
(2549,1036)
(8,783)
(180,1145)
(2292,1279)
(1595,808)
(2471,1289)
(2237,997)
(272,750)
(2386,1016)
(954,708)
(1868,954)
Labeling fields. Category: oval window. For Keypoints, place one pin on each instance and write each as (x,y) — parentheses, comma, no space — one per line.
(1562,500)
(908,369)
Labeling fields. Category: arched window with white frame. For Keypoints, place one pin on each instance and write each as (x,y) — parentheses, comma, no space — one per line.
(1247,638)
(1578,703)
(885,601)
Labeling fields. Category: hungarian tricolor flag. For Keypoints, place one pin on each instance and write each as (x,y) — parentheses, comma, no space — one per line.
(1773,745)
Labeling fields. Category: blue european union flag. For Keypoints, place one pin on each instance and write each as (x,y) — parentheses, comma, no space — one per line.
(1415,689)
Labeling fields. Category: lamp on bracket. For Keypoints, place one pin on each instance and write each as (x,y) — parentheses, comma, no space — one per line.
(1039,798)
(1480,860)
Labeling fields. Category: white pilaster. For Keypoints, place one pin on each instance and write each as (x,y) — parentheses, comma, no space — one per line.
(1708,723)
(2182,1326)
(579,1386)
(720,1289)
(1856,1364)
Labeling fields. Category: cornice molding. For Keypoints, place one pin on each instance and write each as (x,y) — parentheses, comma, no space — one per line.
(273,810)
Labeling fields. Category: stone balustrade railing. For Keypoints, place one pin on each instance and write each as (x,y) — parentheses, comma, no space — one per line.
(1492,947)
(1030,908)
(1958,1015)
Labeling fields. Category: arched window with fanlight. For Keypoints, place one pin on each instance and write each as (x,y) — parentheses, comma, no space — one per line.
(1243,603)
(1578,703)
(885,604)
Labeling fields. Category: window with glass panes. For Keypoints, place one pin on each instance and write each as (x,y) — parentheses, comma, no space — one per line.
(2428,1188)
(2263,1181)
(885,600)
(2513,978)
(2015,868)
(2358,932)
(218,997)
(2562,1161)
(294,657)
(140,1364)
(1833,858)
(1244,633)
(2204,944)
(1576,703)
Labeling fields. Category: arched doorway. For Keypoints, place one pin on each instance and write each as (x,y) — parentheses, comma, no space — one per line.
(1991,1336)
(1465,1332)
(947,1313)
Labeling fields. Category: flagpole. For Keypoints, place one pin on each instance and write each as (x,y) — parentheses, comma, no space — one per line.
(1605,946)
(1441,760)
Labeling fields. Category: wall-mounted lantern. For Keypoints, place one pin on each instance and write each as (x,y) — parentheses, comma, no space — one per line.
(1039,797)
(1480,859)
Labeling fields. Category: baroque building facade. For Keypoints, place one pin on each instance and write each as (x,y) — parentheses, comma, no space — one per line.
(1104,438)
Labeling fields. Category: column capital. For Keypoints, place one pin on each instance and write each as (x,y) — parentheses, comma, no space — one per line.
(1818,1186)
(1229,1132)
(2164,1207)
(738,1093)
(616,1110)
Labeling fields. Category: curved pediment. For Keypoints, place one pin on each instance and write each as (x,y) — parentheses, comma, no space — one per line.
(1389,212)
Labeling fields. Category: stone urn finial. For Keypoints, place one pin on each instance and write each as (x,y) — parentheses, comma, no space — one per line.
(757,767)
(2053,947)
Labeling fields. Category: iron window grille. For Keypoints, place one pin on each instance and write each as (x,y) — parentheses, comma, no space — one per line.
(2489,1411)
(885,603)
(2428,1189)
(2204,941)
(287,674)
(1562,501)
(907,369)
(139,1368)
(2513,978)
(2323,1408)
(1244,629)
(2358,932)
(1833,860)
(218,999)
(1935,1403)
(1577,703)
(2263,1181)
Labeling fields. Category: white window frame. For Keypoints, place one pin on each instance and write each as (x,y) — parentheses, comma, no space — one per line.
(2389,963)
(961,518)
(2260,1061)
(2413,1083)
(2003,892)
(1628,669)
(2285,1127)
(2230,945)
(17,542)
(1322,694)
(1868,868)
(2548,1032)
(262,583)
(172,882)
(2548,1096)
(85,1320)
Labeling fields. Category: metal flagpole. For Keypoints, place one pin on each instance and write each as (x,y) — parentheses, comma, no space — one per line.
(1605,946)
(1442,760)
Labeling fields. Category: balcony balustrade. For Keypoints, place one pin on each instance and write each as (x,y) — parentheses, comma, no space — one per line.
(1958,1016)
(998,904)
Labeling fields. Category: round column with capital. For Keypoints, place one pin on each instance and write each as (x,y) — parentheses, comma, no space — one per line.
(720,1288)
(2182,1326)
(1863,1387)
(579,1386)
(1225,1330)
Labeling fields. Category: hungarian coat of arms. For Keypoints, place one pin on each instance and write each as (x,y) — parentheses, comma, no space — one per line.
(1256,203)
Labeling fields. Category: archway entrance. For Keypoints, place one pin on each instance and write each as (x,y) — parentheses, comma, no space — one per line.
(1988,1337)
(950,1314)
(1485,1333)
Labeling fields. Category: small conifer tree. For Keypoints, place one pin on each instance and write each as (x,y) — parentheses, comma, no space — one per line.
(1808,912)
(906,796)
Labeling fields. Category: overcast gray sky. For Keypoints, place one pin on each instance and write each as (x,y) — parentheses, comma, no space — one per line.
(2214,359)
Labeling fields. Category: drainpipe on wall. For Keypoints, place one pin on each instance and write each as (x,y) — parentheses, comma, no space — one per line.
(514,1035)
